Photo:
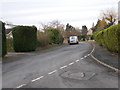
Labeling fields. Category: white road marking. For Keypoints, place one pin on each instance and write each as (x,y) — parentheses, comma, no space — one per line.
(85,56)
(93,74)
(93,49)
(88,55)
(71,63)
(37,79)
(77,60)
(52,72)
(63,67)
(82,58)
(21,86)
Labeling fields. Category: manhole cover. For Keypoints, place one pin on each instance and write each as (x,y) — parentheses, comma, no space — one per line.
(78,75)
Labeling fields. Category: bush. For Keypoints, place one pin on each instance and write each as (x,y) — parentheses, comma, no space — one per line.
(3,47)
(10,45)
(54,36)
(24,38)
(61,39)
(43,39)
(99,38)
(109,38)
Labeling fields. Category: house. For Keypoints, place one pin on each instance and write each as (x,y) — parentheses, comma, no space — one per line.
(90,32)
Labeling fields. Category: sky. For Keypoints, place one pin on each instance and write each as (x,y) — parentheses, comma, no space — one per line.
(34,12)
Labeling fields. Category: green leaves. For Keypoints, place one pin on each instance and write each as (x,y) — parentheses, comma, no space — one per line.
(24,38)
(109,38)
(4,47)
(54,35)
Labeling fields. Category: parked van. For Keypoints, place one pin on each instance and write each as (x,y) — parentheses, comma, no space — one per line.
(73,40)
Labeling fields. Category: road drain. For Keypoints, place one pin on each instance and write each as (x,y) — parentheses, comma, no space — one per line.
(78,75)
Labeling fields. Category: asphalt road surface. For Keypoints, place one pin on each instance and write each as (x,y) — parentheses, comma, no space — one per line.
(50,70)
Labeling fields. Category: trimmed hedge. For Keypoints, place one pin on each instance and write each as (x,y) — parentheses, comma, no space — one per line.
(3,47)
(54,36)
(24,38)
(109,38)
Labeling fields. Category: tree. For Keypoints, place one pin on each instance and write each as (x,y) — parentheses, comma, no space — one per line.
(101,24)
(70,30)
(53,24)
(84,32)
(54,36)
(110,15)
(69,27)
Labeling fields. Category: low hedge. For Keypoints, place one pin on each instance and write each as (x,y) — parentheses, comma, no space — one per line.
(3,46)
(109,38)
(24,38)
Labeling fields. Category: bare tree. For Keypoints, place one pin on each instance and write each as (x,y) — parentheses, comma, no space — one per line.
(110,15)
(53,24)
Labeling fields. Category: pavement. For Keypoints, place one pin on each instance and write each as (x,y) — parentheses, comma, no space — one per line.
(39,70)
(105,56)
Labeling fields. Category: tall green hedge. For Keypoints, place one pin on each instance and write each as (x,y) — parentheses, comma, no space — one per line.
(109,38)
(3,48)
(24,38)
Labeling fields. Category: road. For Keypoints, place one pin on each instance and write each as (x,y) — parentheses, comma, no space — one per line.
(47,69)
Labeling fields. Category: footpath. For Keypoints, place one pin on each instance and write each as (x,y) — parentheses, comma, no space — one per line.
(105,56)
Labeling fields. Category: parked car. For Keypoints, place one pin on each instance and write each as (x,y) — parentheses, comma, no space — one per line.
(73,40)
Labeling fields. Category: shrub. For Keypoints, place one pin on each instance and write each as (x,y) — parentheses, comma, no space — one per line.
(109,38)
(43,39)
(99,38)
(24,38)
(61,39)
(54,36)
(3,47)
(10,45)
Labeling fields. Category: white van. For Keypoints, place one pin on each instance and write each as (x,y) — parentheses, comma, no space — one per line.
(73,40)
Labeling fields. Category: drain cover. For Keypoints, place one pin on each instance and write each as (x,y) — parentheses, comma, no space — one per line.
(73,74)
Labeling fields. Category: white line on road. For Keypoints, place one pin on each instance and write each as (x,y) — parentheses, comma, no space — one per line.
(71,63)
(52,72)
(77,60)
(88,55)
(63,67)
(82,58)
(37,79)
(21,86)
(85,56)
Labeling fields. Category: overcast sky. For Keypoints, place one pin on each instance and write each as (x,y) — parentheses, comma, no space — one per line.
(35,12)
